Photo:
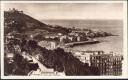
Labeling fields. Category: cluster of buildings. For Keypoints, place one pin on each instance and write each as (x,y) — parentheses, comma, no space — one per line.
(74,36)
(107,63)
(13,10)
(67,38)
(77,36)
(52,41)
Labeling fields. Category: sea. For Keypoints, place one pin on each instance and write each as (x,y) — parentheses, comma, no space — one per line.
(107,44)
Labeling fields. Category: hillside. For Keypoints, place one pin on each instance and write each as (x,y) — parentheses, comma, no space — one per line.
(17,21)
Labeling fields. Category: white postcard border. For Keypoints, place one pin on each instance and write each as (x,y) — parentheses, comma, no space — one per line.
(125,62)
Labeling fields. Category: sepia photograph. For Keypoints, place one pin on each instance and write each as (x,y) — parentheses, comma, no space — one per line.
(54,39)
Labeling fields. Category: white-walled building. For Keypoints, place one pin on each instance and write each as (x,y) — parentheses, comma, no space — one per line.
(48,44)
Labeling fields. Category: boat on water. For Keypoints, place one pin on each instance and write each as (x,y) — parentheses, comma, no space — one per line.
(91,41)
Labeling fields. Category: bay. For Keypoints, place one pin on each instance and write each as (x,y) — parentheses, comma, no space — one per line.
(107,44)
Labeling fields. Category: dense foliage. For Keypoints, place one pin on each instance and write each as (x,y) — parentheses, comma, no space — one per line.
(62,61)
(57,59)
(20,66)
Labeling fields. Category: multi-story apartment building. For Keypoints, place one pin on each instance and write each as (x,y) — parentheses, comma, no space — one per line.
(108,64)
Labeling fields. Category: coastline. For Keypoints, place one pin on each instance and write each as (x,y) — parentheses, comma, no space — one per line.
(108,44)
(82,43)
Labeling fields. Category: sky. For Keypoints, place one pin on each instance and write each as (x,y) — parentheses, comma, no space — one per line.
(42,11)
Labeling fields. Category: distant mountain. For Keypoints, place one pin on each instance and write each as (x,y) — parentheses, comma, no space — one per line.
(21,23)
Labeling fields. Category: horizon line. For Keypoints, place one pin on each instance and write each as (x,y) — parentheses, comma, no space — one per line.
(83,19)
